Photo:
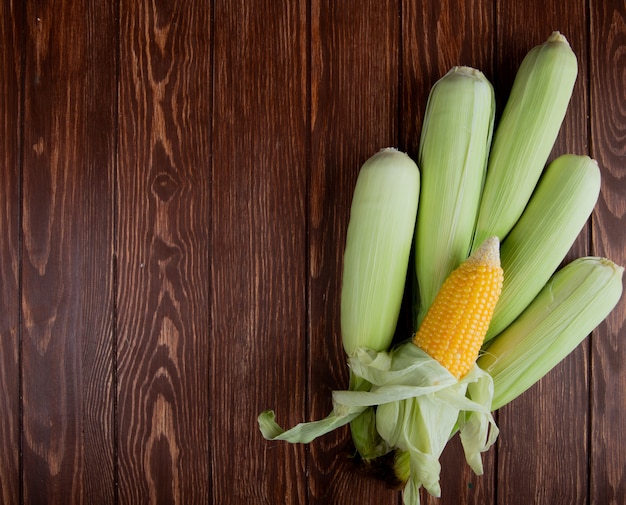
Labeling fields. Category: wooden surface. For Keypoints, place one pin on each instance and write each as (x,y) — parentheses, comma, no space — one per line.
(175,180)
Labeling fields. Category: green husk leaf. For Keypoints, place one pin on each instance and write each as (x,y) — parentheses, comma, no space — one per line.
(305,433)
(427,404)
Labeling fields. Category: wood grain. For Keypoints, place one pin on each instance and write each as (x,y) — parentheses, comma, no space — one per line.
(66,261)
(555,470)
(11,19)
(435,37)
(176,182)
(608,141)
(163,248)
(354,113)
(259,248)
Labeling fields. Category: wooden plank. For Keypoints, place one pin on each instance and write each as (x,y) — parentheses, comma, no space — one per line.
(230,238)
(556,469)
(67,281)
(608,373)
(354,113)
(258,300)
(11,26)
(436,37)
(96,291)
(433,42)
(163,248)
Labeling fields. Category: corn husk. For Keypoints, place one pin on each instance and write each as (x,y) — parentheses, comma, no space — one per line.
(525,134)
(454,145)
(576,300)
(538,243)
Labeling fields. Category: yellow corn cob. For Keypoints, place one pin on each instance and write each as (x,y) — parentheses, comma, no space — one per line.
(455,325)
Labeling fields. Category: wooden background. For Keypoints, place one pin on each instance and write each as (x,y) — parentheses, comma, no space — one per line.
(175,182)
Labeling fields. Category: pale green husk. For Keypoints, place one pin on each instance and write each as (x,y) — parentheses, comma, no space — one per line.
(454,145)
(376,258)
(575,300)
(378,244)
(525,134)
(538,243)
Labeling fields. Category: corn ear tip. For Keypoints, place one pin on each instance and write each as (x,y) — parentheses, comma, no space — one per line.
(393,151)
(557,36)
(467,70)
(618,269)
(389,149)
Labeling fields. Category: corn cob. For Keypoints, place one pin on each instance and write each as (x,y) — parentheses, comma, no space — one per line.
(537,244)
(576,299)
(378,243)
(525,134)
(454,328)
(376,257)
(454,144)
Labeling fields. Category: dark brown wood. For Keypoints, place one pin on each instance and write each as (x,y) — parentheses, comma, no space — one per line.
(608,123)
(259,248)
(354,112)
(176,182)
(66,256)
(435,37)
(543,448)
(11,19)
(163,248)
(96,290)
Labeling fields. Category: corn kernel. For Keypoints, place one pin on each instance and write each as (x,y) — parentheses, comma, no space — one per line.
(456,323)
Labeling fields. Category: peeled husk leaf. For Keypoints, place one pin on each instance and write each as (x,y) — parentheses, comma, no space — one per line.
(409,389)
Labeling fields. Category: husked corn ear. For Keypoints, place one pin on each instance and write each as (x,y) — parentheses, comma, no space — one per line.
(454,145)
(454,328)
(525,134)
(539,241)
(576,299)
(378,243)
